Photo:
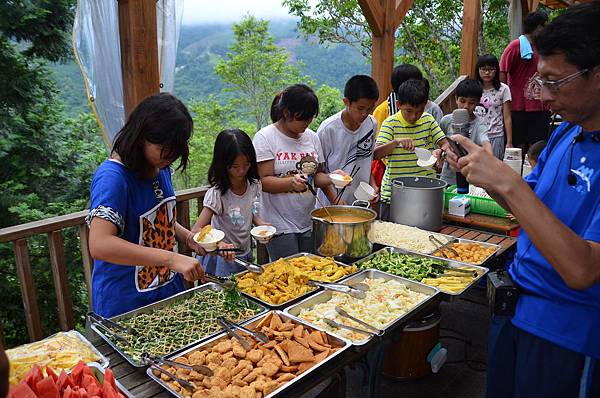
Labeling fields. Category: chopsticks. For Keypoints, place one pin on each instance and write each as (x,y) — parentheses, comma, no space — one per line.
(353,172)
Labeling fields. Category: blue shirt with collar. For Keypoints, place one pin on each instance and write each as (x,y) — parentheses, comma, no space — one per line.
(548,308)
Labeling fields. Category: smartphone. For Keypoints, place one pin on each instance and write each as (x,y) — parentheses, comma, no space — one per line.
(457,148)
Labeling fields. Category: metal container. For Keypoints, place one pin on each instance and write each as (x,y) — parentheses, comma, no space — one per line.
(418,202)
(295,299)
(98,372)
(325,296)
(346,241)
(161,304)
(484,244)
(481,271)
(335,341)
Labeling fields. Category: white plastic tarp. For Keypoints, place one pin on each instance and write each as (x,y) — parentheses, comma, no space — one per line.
(97,50)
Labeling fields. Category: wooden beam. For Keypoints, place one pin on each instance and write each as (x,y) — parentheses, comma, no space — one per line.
(87,260)
(383,52)
(470,34)
(32,314)
(139,51)
(402,7)
(373,14)
(61,282)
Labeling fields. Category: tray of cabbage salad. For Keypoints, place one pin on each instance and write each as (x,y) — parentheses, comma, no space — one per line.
(389,300)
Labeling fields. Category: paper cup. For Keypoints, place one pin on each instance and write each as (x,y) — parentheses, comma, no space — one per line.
(365,192)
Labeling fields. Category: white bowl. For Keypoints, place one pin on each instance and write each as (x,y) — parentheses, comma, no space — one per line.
(423,154)
(365,192)
(212,239)
(427,164)
(263,233)
(339,181)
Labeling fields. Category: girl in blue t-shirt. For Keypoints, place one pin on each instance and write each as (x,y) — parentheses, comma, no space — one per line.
(231,204)
(132,219)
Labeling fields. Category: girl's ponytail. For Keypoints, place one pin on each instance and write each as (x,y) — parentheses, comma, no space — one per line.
(276,111)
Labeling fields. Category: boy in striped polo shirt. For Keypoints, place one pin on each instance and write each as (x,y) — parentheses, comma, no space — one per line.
(410,127)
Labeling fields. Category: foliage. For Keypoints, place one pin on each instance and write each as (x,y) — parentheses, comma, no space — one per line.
(330,103)
(256,69)
(429,36)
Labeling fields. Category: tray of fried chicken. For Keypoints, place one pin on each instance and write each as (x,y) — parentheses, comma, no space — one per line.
(290,349)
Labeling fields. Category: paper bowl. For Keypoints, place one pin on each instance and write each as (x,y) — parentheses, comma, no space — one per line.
(210,245)
(339,181)
(365,192)
(427,164)
(263,233)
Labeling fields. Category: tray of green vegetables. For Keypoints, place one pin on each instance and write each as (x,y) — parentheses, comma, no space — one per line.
(178,322)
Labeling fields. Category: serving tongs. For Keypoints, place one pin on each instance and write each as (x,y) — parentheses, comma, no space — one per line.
(441,246)
(257,269)
(108,326)
(224,282)
(345,314)
(352,291)
(228,250)
(156,360)
(338,325)
(183,383)
(229,327)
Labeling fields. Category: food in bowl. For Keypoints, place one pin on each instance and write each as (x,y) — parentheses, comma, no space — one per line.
(340,181)
(263,233)
(208,238)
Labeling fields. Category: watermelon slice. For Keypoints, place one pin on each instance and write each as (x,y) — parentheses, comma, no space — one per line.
(47,389)
(51,373)
(21,390)
(109,377)
(34,376)
(64,381)
(91,385)
(77,372)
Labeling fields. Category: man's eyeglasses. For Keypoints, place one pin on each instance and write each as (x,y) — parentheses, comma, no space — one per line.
(487,70)
(554,85)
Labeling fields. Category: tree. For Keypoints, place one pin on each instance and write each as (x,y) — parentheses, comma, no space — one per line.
(330,103)
(429,36)
(256,69)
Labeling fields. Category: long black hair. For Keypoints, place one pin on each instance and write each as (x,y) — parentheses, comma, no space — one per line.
(159,119)
(228,146)
(489,60)
(299,100)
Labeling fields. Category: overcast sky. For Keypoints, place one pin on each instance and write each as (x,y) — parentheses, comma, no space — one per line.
(202,11)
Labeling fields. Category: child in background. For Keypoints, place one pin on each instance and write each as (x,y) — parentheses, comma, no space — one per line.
(289,157)
(401,133)
(534,152)
(132,218)
(468,95)
(432,108)
(496,99)
(230,204)
(348,137)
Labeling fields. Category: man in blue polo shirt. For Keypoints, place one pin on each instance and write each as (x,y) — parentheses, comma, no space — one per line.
(551,346)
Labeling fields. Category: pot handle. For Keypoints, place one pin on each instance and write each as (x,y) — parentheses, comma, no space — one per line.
(400,183)
(361,203)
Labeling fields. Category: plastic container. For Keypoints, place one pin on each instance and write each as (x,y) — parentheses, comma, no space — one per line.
(479,205)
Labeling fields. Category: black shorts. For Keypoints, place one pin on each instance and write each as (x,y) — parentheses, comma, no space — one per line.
(530,127)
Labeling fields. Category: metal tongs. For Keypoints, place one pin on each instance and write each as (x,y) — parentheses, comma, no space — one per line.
(229,326)
(105,325)
(442,246)
(154,360)
(338,325)
(343,313)
(257,269)
(183,383)
(357,291)
(224,282)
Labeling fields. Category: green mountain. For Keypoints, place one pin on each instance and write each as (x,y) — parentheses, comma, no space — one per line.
(201,46)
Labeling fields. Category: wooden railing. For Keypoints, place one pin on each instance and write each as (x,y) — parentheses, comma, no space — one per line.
(53,227)
(446,100)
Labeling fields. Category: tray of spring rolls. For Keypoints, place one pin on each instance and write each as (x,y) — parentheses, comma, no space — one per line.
(380,302)
(246,366)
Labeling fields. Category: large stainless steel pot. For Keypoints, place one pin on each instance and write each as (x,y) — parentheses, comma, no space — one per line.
(343,240)
(418,202)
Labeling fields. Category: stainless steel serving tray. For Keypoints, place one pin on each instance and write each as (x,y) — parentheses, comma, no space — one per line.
(336,341)
(98,371)
(163,303)
(460,240)
(481,271)
(325,296)
(295,299)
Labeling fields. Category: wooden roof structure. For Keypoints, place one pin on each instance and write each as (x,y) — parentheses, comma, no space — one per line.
(139,49)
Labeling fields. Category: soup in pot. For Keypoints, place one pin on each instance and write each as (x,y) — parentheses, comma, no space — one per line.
(347,218)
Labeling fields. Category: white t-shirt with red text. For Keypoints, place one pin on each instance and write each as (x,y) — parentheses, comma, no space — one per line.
(289,212)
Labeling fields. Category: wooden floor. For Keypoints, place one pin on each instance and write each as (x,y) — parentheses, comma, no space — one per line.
(140,385)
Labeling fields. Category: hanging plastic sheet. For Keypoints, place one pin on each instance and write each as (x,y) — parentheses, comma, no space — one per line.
(97,51)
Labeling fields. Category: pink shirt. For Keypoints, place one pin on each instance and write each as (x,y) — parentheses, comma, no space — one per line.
(519,71)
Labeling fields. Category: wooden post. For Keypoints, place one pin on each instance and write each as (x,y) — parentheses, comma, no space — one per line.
(139,51)
(32,314)
(384,17)
(470,31)
(87,260)
(61,282)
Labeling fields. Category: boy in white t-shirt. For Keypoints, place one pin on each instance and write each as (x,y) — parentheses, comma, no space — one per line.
(347,138)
